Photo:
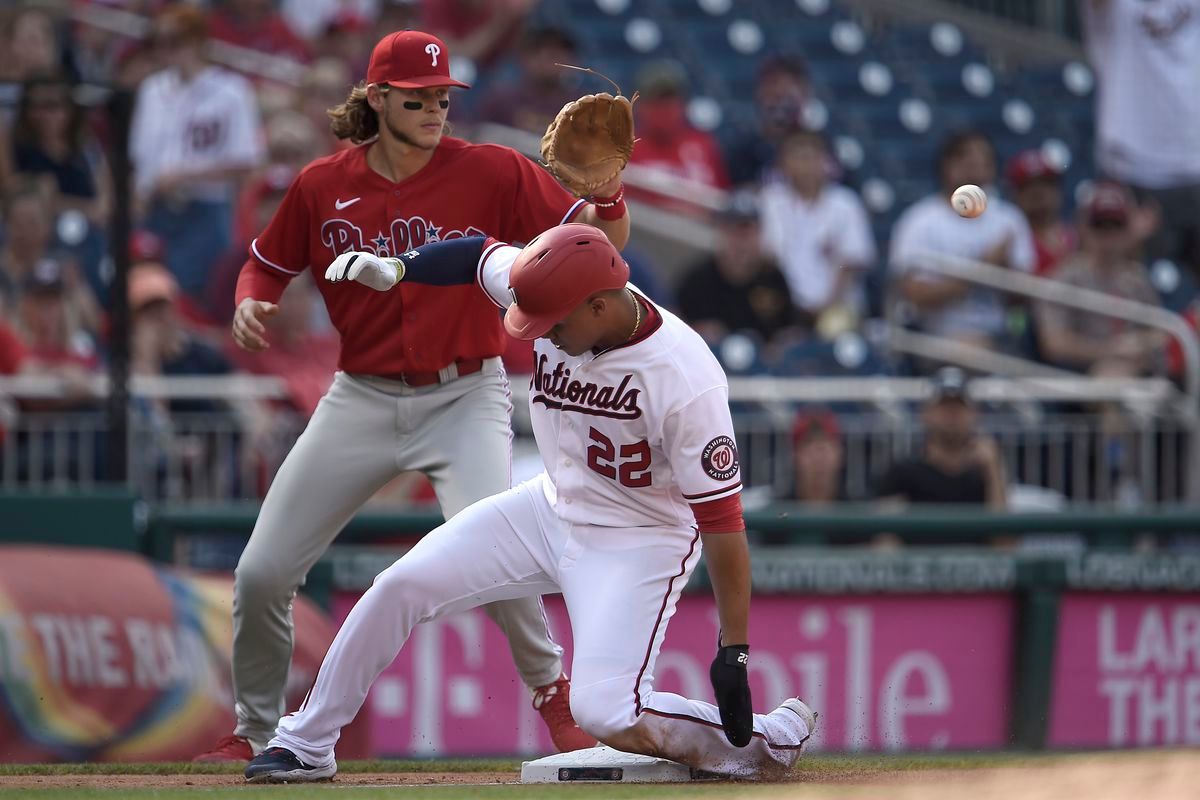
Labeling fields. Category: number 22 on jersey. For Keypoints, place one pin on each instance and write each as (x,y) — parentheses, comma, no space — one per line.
(632,471)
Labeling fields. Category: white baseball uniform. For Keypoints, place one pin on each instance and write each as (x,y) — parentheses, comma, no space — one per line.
(631,437)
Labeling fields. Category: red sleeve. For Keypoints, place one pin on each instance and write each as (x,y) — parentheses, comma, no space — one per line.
(720,516)
(12,352)
(539,201)
(717,164)
(260,283)
(283,244)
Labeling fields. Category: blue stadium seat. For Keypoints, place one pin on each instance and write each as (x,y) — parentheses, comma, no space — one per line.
(741,353)
(821,358)
(913,44)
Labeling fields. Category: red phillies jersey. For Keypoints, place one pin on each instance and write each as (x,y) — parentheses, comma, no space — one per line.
(338,203)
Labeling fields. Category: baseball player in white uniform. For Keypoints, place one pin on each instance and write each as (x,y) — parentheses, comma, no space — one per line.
(630,412)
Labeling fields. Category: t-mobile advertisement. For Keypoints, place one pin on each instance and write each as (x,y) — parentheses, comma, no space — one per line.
(1127,671)
(903,673)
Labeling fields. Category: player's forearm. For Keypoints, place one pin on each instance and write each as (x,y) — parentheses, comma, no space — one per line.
(727,556)
(256,282)
(452,262)
(617,230)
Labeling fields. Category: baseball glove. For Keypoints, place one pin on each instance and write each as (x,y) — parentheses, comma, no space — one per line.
(590,141)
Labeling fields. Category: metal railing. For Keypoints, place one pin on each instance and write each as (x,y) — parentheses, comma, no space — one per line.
(1095,302)
(1090,300)
(216,457)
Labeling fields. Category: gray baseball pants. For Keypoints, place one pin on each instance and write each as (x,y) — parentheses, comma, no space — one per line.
(366,431)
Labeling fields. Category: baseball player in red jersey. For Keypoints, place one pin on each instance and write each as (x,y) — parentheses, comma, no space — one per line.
(631,415)
(420,385)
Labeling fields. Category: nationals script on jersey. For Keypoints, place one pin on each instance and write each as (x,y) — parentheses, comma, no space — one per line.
(632,435)
(339,203)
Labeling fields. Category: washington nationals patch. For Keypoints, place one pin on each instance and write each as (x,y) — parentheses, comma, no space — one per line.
(720,458)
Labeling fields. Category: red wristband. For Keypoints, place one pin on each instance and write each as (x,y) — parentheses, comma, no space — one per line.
(610,208)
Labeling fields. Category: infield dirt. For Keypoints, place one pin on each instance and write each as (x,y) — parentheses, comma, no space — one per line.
(1144,775)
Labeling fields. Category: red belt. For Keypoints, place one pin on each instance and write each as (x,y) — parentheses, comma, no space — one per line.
(467,366)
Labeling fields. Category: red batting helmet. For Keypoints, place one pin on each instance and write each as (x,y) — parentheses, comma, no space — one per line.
(411,60)
(556,272)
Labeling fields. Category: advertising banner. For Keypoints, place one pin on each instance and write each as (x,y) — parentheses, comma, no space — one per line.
(106,657)
(918,672)
(1127,671)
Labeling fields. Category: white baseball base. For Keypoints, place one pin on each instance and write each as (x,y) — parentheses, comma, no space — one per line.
(604,764)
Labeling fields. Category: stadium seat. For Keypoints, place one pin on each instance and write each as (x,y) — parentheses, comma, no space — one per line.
(847,354)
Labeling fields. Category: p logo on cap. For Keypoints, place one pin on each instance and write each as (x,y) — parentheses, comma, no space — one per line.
(411,60)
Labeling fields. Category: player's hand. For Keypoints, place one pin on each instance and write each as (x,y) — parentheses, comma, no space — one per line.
(248,329)
(732,688)
(368,269)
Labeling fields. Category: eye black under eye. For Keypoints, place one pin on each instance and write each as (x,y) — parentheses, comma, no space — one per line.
(443,103)
(413,105)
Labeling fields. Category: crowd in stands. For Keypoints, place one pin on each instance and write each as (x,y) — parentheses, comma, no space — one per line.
(799,257)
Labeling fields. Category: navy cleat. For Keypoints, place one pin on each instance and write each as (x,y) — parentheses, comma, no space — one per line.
(280,765)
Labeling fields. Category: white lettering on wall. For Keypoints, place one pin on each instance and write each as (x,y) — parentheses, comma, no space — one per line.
(1152,688)
(896,704)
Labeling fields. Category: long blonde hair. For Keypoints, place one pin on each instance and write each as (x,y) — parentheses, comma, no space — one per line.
(356,120)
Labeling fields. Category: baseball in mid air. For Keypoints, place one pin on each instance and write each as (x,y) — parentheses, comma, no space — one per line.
(969,200)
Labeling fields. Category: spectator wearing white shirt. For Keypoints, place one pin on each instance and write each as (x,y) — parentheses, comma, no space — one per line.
(817,230)
(1146,54)
(946,306)
(196,132)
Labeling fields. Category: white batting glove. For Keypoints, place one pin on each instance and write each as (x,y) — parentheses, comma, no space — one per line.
(368,269)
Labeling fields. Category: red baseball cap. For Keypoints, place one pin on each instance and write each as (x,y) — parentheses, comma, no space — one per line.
(411,60)
(557,271)
(1031,165)
(1108,202)
(810,421)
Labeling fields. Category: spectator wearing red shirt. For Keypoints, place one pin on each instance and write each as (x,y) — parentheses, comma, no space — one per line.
(55,343)
(12,355)
(12,352)
(257,25)
(1037,191)
(666,140)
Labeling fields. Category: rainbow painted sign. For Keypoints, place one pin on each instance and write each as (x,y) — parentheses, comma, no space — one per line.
(104,657)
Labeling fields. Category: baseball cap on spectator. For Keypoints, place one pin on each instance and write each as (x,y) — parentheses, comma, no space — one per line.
(411,60)
(815,421)
(46,278)
(662,78)
(741,208)
(346,21)
(950,383)
(549,36)
(791,66)
(1107,205)
(150,283)
(1029,166)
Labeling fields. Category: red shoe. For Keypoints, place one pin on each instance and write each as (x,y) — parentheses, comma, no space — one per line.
(553,702)
(230,748)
